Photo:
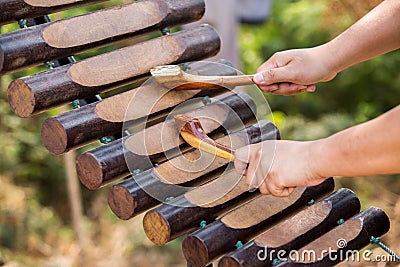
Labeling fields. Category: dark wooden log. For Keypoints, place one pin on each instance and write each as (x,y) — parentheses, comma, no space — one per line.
(52,88)
(296,231)
(103,164)
(206,245)
(38,44)
(76,128)
(342,242)
(87,124)
(146,190)
(107,163)
(205,203)
(14,10)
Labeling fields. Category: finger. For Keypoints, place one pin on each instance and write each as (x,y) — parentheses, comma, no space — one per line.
(251,175)
(264,189)
(311,88)
(274,75)
(287,191)
(296,87)
(261,174)
(240,166)
(277,190)
(242,159)
(289,89)
(289,92)
(276,61)
(251,178)
(269,88)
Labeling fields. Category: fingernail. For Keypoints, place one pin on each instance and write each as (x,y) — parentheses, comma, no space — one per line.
(258,78)
(252,189)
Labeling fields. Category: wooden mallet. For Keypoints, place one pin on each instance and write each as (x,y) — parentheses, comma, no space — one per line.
(173,77)
(192,132)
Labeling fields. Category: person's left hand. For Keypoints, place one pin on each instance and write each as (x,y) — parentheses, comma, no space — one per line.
(276,167)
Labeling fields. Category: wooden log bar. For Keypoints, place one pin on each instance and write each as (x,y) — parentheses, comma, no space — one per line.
(241,225)
(14,10)
(343,241)
(296,231)
(205,203)
(28,47)
(102,165)
(88,123)
(146,190)
(43,91)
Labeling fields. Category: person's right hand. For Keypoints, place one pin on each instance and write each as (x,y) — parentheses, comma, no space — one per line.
(294,71)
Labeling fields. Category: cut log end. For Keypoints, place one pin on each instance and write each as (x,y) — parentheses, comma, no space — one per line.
(156,228)
(54,137)
(89,171)
(229,262)
(195,251)
(121,202)
(20,97)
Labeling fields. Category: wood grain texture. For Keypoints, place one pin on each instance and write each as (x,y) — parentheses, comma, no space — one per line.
(108,163)
(260,208)
(50,3)
(83,125)
(104,24)
(356,231)
(146,190)
(182,215)
(14,10)
(67,83)
(242,224)
(298,230)
(28,47)
(152,98)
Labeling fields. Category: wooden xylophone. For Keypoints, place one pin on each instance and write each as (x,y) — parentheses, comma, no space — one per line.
(182,190)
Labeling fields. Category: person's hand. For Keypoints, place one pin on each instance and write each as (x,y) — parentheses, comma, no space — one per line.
(277,167)
(294,71)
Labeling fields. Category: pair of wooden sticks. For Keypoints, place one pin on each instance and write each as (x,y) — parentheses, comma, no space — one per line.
(173,77)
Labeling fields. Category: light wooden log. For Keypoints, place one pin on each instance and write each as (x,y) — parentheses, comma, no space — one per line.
(296,231)
(146,190)
(88,123)
(28,47)
(14,10)
(43,91)
(206,245)
(205,203)
(340,243)
(107,163)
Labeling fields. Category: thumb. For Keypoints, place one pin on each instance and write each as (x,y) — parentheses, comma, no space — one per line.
(242,159)
(273,75)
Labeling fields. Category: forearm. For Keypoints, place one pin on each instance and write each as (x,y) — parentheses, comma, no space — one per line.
(367,149)
(376,33)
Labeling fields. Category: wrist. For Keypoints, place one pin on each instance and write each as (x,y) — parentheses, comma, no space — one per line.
(329,59)
(320,158)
